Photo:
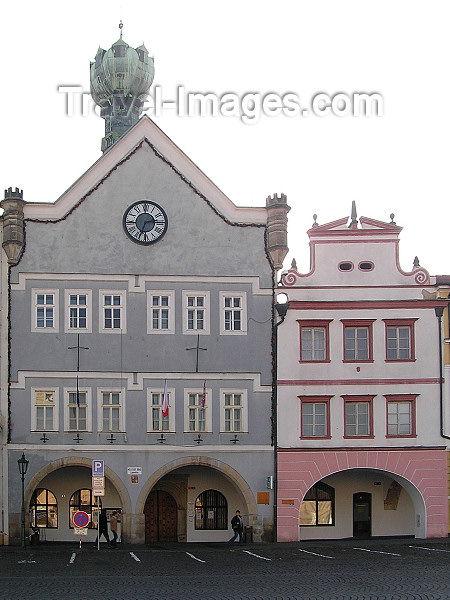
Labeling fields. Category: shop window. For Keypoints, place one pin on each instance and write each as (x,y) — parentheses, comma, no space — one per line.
(211,510)
(43,509)
(317,507)
(85,501)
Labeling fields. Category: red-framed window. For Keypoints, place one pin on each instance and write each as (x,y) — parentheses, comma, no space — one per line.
(400,340)
(358,340)
(314,340)
(358,416)
(315,417)
(400,415)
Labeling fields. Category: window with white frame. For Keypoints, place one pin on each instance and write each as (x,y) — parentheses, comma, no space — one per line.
(45,311)
(160,311)
(196,312)
(358,345)
(156,421)
(197,414)
(399,339)
(314,340)
(112,317)
(78,415)
(233,318)
(358,416)
(315,416)
(234,411)
(44,409)
(111,410)
(78,305)
(400,415)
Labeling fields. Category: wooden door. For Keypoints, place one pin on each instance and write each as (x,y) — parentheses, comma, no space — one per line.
(160,517)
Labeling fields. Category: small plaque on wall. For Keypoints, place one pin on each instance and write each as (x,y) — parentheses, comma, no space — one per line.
(290,502)
(263,497)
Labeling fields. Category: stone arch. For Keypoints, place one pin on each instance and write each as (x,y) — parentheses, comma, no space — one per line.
(203,461)
(418,471)
(78,461)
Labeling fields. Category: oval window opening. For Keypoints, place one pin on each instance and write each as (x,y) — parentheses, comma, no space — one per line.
(366,266)
(345,266)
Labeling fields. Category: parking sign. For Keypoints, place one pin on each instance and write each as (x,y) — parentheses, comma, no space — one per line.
(98,468)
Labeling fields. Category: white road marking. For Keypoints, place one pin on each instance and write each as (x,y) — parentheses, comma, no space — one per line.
(257,555)
(21,562)
(72,558)
(135,557)
(377,551)
(430,549)
(195,558)
(315,554)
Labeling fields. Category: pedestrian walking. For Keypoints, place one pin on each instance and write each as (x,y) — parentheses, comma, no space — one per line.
(113,526)
(103,525)
(237,525)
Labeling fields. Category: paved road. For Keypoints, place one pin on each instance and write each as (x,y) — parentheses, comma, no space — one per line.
(405,569)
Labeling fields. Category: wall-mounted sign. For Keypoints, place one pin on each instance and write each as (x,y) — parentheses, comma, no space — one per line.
(134,470)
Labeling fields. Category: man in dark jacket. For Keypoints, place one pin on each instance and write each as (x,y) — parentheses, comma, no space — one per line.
(237,525)
(103,525)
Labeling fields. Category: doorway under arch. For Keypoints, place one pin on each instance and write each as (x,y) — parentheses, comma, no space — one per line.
(184,480)
(160,513)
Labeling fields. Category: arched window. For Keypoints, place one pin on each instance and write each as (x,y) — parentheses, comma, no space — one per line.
(85,501)
(211,510)
(43,509)
(318,505)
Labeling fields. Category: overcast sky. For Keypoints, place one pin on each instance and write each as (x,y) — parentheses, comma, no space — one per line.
(396,163)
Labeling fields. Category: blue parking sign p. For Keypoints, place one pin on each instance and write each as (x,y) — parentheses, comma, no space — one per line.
(98,468)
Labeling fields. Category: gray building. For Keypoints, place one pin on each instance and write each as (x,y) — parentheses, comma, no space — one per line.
(137,328)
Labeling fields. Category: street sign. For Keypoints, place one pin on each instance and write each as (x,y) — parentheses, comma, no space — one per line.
(98,468)
(80,531)
(98,486)
(134,470)
(81,519)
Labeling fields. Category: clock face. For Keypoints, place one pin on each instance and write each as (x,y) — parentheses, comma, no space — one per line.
(145,222)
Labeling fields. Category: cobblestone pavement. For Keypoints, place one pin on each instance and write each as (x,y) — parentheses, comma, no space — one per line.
(389,569)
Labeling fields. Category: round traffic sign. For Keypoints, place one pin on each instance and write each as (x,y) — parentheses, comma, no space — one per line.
(81,519)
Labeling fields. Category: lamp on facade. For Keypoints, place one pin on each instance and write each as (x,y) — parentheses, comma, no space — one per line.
(23,466)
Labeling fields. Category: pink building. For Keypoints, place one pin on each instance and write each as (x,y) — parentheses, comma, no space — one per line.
(360,451)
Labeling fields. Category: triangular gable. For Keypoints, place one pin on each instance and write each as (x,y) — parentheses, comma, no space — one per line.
(147,131)
(327,227)
(374,224)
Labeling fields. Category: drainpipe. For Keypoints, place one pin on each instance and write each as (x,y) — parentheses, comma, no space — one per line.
(439,311)
(280,308)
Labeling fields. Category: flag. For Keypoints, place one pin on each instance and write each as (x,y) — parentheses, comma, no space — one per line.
(204,394)
(165,402)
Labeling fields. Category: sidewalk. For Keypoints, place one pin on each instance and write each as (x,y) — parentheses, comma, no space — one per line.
(217,546)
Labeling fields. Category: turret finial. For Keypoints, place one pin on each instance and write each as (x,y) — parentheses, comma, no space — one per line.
(354,221)
(120,27)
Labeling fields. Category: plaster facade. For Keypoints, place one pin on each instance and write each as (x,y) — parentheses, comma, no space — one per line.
(360,450)
(102,330)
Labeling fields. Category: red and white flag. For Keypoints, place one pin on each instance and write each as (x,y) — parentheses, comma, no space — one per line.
(165,402)
(204,394)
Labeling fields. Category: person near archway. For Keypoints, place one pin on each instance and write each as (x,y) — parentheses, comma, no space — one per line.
(237,525)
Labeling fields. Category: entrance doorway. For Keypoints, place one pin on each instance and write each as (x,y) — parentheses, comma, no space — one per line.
(160,512)
(362,527)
